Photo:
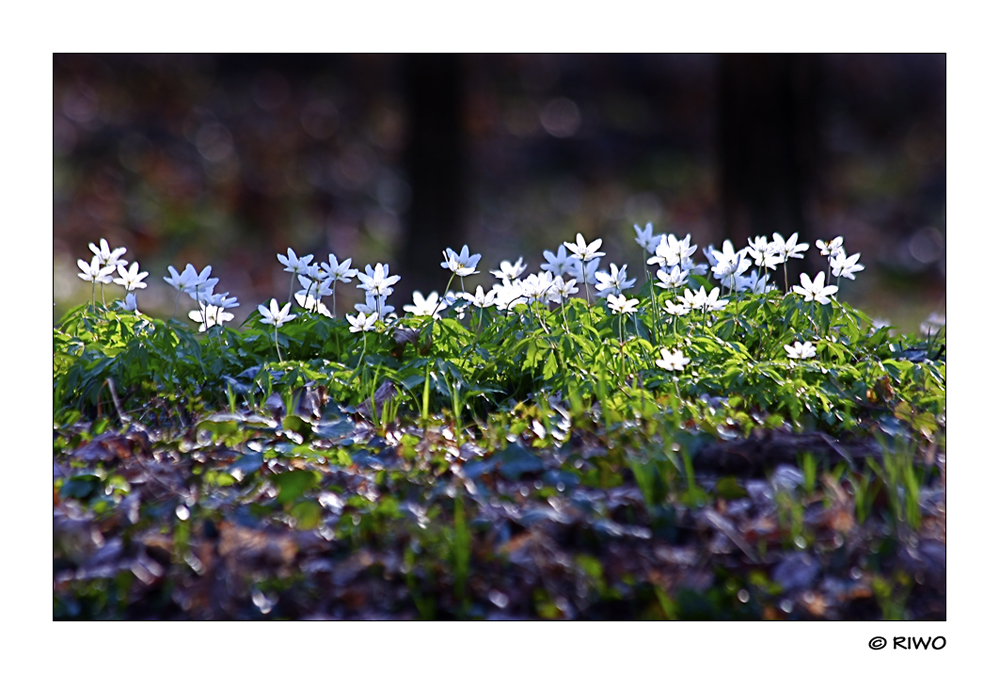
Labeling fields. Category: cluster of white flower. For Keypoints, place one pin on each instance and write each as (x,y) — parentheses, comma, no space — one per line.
(104,263)
(198,285)
(574,263)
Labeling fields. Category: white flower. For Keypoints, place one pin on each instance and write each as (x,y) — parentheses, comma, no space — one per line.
(361,322)
(729,262)
(559,263)
(687,265)
(613,281)
(537,287)
(106,256)
(480,299)
(509,294)
(832,247)
(674,361)
(377,281)
(583,251)
(800,350)
(191,281)
(586,272)
(765,254)
(429,306)
(314,273)
(508,271)
(561,290)
(693,300)
(670,251)
(128,304)
(372,305)
(462,263)
(680,309)
(456,301)
(710,253)
(684,248)
(815,290)
(295,264)
(645,237)
(842,266)
(315,287)
(95,272)
(674,279)
(311,303)
(339,271)
(790,248)
(619,304)
(208,316)
(311,297)
(131,278)
(182,282)
(755,283)
(276,316)
(706,301)
(711,303)
(220,300)
(664,254)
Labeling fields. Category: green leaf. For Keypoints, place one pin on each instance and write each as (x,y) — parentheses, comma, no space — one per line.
(292,484)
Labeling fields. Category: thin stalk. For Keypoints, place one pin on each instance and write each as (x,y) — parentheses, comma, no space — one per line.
(176,300)
(538,317)
(441,299)
(291,287)
(335,298)
(280,360)
(312,282)
(586,287)
(656,309)
(197,295)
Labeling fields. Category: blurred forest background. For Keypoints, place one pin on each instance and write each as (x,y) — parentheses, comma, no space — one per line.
(229,159)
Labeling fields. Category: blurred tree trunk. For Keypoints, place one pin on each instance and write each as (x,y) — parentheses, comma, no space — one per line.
(433,160)
(768,143)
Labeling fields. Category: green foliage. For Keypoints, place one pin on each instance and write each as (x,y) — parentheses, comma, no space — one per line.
(364,438)
(162,368)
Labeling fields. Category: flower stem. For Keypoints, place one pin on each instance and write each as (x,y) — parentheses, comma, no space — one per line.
(441,299)
(291,287)
(656,309)
(586,287)
(278,348)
